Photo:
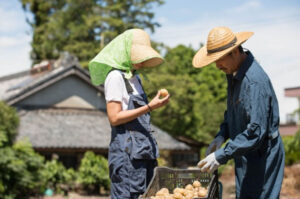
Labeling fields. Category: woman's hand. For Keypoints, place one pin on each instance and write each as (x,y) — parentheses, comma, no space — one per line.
(117,116)
(156,102)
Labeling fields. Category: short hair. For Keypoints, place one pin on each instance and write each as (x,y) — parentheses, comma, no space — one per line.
(241,49)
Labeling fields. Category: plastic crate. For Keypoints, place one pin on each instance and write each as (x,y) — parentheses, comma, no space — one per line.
(165,177)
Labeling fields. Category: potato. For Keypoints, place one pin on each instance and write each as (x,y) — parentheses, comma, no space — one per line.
(185,192)
(162,192)
(189,196)
(202,192)
(178,190)
(195,195)
(163,92)
(196,184)
(165,190)
(177,195)
(189,187)
(171,196)
(182,191)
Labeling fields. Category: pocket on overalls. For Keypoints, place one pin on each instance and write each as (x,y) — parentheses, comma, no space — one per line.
(137,180)
(116,161)
(142,148)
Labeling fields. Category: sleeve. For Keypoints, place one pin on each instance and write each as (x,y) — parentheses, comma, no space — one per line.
(113,87)
(224,128)
(252,137)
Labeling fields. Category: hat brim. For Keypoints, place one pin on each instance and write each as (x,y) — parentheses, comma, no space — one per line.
(145,54)
(202,58)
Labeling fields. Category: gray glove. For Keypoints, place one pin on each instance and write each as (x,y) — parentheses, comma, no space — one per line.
(214,145)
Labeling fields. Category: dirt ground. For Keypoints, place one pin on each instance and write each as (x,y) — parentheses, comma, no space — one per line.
(290,186)
(74,196)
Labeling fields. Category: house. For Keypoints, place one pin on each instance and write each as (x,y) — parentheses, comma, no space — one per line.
(63,114)
(292,125)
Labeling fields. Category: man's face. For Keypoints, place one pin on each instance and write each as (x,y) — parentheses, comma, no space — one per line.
(229,64)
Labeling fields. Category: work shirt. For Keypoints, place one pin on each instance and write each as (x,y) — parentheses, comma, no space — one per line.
(251,124)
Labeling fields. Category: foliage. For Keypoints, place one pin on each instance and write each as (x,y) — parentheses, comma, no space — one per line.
(56,176)
(93,172)
(20,166)
(198,96)
(292,148)
(9,122)
(80,26)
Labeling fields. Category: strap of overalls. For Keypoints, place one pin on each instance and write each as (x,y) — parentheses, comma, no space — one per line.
(130,89)
(127,84)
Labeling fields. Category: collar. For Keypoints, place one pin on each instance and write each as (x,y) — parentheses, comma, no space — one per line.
(244,66)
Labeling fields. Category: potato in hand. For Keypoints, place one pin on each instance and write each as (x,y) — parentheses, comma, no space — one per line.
(163,92)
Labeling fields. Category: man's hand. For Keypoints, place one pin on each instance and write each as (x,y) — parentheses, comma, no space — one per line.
(214,145)
(209,164)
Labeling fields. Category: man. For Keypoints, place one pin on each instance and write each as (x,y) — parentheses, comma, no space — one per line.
(251,121)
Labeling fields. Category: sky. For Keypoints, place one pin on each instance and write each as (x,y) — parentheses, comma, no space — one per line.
(275,43)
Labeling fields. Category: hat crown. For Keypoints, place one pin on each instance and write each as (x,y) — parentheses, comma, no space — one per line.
(140,37)
(219,37)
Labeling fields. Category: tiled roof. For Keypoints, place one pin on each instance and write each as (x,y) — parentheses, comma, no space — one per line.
(14,87)
(73,128)
(11,81)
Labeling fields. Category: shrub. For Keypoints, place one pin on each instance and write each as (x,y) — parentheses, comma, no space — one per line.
(292,148)
(93,172)
(20,166)
(57,177)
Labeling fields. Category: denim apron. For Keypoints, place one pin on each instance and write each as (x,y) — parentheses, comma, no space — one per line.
(132,152)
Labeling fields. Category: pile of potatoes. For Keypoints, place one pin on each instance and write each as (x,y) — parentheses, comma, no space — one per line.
(189,192)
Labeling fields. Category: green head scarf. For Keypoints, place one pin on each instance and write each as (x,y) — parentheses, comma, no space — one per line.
(115,55)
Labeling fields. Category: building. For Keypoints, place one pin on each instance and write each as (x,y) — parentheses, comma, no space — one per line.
(292,125)
(62,113)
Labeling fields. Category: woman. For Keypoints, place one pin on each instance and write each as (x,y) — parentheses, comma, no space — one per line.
(133,150)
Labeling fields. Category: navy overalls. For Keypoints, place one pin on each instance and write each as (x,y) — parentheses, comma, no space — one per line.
(252,125)
(132,152)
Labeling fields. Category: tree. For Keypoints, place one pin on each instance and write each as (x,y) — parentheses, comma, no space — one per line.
(20,166)
(8,125)
(83,27)
(198,96)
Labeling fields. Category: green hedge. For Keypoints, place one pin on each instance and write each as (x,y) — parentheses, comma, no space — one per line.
(20,166)
(57,177)
(292,148)
(23,172)
(93,172)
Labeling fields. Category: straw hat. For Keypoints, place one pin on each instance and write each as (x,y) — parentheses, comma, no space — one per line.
(220,42)
(141,50)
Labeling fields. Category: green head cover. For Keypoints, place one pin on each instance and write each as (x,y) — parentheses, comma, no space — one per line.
(115,55)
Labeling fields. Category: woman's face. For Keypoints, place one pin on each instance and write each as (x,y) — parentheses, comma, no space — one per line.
(138,66)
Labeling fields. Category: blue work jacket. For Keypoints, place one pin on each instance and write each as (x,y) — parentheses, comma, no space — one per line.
(251,124)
